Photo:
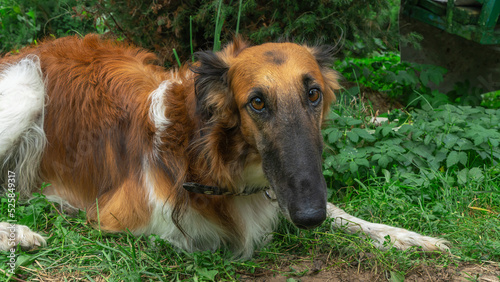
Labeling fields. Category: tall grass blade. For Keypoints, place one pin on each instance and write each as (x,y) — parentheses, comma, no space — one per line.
(177,58)
(239,17)
(191,37)
(218,28)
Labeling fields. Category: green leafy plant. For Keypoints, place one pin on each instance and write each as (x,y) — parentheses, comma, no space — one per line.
(18,25)
(491,100)
(23,22)
(400,80)
(459,138)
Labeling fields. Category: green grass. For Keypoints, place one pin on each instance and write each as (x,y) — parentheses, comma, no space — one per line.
(467,216)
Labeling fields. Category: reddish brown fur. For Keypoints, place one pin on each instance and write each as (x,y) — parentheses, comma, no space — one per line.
(99,131)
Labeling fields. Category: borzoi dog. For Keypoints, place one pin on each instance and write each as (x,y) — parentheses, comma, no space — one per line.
(204,156)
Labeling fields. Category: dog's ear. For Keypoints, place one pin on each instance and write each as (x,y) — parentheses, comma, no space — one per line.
(211,83)
(212,87)
(324,56)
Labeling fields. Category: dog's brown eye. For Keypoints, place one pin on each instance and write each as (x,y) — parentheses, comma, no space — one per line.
(258,104)
(314,95)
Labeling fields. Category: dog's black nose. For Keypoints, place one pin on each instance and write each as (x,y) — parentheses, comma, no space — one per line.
(308,218)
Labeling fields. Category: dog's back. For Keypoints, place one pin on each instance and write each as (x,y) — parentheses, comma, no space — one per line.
(89,117)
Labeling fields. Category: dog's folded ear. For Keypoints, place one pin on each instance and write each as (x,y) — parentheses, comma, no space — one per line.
(212,84)
(324,56)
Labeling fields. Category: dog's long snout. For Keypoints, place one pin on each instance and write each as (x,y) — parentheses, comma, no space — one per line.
(297,179)
(307,208)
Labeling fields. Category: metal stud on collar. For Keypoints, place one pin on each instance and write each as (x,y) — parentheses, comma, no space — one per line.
(269,196)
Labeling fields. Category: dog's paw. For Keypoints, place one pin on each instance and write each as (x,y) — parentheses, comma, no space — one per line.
(404,239)
(384,236)
(12,235)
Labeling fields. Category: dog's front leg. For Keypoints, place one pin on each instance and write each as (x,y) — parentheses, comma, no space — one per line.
(400,238)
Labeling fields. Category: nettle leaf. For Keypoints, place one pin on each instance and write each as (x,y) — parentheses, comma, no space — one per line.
(383,162)
(412,179)
(478,140)
(454,129)
(475,174)
(366,72)
(494,142)
(353,167)
(466,175)
(386,129)
(433,74)
(406,78)
(353,136)
(334,136)
(207,274)
(364,134)
(406,128)
(450,140)
(329,161)
(423,151)
(353,91)
(452,159)
(352,121)
(417,134)
(362,162)
(462,176)
(463,144)
(436,124)
(434,163)
(409,158)
(441,154)
(462,158)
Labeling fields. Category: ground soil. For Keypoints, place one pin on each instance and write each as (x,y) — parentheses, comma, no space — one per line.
(380,102)
(319,270)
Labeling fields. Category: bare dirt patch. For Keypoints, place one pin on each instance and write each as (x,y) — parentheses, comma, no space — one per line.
(319,270)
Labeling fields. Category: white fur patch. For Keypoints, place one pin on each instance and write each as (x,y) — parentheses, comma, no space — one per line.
(252,177)
(203,235)
(400,238)
(22,98)
(12,235)
(22,139)
(258,217)
(255,215)
(158,107)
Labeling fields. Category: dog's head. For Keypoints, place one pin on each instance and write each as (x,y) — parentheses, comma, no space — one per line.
(276,95)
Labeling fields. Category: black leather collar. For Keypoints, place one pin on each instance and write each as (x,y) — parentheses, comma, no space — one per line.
(214,190)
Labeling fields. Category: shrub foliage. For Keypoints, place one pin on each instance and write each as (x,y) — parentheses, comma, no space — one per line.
(23,22)
(449,138)
(161,25)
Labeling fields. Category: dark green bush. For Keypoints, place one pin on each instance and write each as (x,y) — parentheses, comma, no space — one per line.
(22,22)
(361,26)
(407,82)
(161,25)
